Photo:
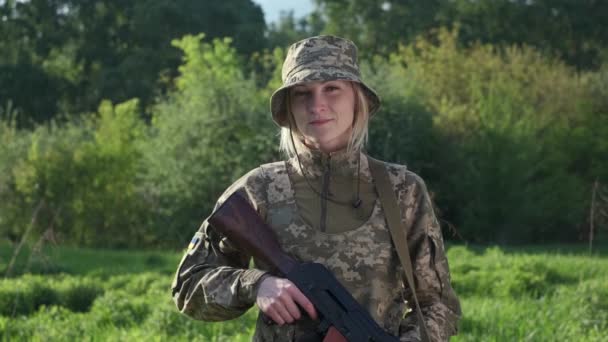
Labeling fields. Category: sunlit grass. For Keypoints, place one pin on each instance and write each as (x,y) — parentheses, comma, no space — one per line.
(510,294)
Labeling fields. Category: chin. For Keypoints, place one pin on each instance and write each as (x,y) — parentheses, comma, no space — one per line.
(321,140)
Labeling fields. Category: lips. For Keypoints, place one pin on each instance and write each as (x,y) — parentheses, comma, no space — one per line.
(319,122)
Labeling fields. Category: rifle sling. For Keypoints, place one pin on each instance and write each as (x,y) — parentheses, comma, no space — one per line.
(398,232)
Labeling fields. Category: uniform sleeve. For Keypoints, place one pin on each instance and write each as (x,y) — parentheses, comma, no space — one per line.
(439,304)
(213,281)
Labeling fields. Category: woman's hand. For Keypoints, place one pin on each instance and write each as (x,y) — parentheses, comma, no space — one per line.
(278,298)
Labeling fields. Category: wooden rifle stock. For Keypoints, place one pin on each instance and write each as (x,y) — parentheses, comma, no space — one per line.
(238,221)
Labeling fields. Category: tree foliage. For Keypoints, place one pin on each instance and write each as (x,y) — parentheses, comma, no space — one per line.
(69,55)
(207,133)
(504,166)
(572,30)
(83,174)
(290,29)
(499,119)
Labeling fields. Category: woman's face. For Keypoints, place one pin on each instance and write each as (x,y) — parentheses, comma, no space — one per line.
(324,113)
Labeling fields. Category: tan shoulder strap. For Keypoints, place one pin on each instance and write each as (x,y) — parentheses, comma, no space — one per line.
(398,232)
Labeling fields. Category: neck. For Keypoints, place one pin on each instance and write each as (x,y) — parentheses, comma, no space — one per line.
(344,163)
(329,147)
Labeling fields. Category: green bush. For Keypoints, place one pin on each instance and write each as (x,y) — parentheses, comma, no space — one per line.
(211,130)
(23,296)
(78,294)
(165,320)
(593,295)
(493,273)
(402,131)
(52,323)
(13,147)
(507,294)
(148,283)
(83,175)
(119,309)
(26,294)
(503,122)
(508,140)
(139,284)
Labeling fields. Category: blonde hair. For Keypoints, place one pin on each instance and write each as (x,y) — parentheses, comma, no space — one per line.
(359,133)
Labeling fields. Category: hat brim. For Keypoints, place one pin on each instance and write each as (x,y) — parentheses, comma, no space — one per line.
(278,100)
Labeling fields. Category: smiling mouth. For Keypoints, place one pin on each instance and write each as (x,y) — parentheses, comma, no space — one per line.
(319,122)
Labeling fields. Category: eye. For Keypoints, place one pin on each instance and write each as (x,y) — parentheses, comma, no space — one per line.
(331,88)
(299,93)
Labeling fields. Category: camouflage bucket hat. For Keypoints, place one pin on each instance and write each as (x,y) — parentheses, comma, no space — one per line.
(320,58)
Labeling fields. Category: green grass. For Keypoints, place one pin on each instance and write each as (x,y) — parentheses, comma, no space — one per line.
(520,295)
(84,261)
(507,294)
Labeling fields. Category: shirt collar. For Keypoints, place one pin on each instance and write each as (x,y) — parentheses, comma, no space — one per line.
(342,163)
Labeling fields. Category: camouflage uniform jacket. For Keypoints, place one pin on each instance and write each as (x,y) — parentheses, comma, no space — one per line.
(214,283)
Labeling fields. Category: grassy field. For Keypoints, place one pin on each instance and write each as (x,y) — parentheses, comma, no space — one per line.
(551,293)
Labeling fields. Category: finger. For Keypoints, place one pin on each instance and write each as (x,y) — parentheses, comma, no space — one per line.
(304,302)
(275,316)
(291,306)
(281,310)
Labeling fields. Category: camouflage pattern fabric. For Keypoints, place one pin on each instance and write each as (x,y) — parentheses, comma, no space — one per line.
(320,58)
(344,185)
(213,282)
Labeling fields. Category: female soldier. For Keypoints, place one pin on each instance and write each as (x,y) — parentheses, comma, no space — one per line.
(323,205)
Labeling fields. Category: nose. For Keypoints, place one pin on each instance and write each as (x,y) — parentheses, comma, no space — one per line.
(317,103)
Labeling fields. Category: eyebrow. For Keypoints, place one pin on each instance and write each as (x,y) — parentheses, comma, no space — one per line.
(304,86)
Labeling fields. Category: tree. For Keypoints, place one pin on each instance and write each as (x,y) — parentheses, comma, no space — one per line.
(85,51)
(213,128)
(378,26)
(572,30)
(289,29)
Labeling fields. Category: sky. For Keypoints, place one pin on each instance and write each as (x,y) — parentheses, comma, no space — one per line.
(272,8)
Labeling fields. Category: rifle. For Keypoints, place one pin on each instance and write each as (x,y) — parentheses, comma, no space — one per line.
(337,308)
